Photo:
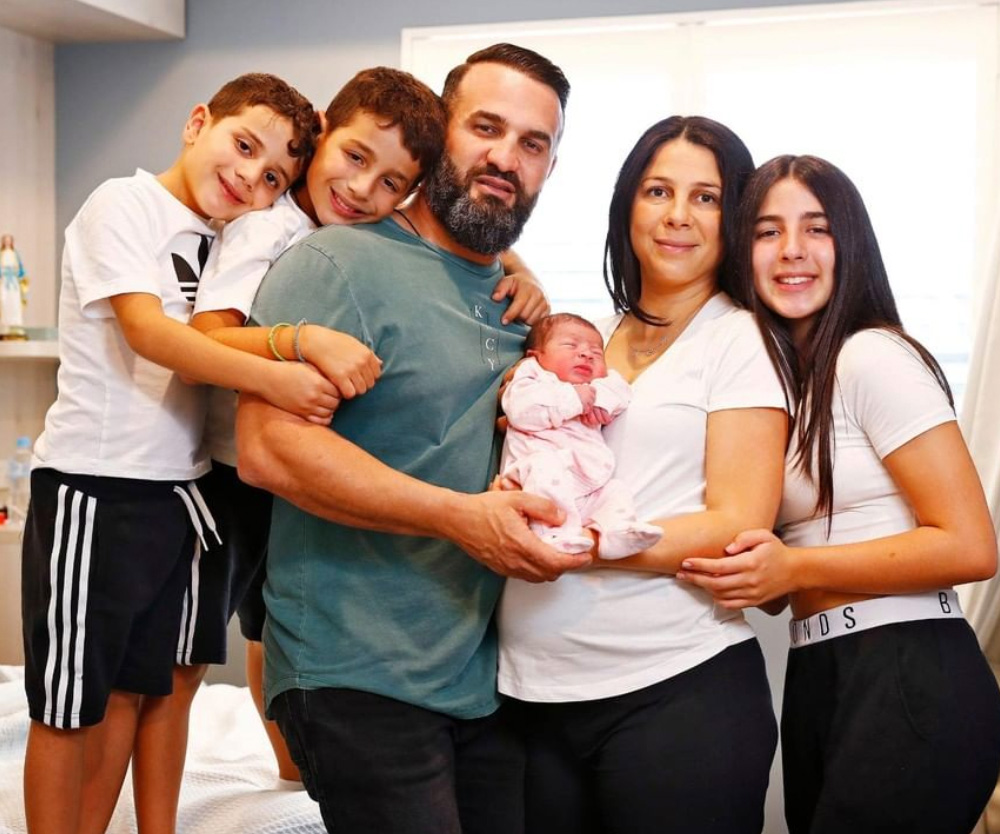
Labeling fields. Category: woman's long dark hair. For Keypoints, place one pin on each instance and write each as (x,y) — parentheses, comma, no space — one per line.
(621,268)
(861,299)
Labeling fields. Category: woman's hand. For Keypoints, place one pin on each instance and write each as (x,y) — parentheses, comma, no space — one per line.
(759,568)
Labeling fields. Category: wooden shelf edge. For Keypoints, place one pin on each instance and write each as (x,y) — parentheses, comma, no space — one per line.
(44,350)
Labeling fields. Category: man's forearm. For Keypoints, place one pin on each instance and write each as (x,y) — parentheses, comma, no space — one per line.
(322,473)
(326,475)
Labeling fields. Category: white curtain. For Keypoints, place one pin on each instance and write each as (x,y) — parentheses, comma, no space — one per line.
(980,419)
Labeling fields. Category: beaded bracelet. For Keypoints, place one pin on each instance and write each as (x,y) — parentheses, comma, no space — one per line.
(270,340)
(296,345)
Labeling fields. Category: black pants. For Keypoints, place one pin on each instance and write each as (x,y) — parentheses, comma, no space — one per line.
(895,729)
(689,755)
(378,766)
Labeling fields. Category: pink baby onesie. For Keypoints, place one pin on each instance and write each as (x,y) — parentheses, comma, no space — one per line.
(550,452)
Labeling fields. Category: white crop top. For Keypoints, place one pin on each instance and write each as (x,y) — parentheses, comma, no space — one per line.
(884,397)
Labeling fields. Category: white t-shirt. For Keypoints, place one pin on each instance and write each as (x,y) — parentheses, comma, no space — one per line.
(246,249)
(117,414)
(884,396)
(599,633)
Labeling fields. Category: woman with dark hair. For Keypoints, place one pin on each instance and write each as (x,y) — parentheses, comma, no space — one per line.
(891,719)
(647,707)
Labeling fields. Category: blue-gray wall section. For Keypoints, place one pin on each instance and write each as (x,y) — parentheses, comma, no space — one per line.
(122,106)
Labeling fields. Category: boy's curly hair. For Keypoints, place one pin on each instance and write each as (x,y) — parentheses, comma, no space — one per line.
(394,98)
(255,88)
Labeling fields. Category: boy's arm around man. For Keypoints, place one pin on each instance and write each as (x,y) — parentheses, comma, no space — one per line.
(167,342)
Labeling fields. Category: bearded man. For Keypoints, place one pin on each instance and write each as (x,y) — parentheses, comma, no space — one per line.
(387,554)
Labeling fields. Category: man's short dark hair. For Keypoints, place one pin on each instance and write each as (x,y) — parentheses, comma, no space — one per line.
(255,88)
(519,58)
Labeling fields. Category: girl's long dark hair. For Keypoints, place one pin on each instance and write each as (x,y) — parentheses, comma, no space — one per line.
(861,299)
(621,267)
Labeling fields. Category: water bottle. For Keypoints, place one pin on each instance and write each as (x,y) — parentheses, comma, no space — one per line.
(19,480)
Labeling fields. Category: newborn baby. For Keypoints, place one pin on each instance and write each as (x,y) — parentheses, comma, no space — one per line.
(556,403)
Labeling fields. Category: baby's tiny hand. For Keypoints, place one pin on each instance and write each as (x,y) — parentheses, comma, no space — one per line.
(585,391)
(595,417)
(601,415)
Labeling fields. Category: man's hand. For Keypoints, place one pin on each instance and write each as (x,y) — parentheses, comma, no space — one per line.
(494,531)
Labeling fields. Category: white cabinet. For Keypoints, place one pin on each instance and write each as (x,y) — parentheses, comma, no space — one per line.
(63,21)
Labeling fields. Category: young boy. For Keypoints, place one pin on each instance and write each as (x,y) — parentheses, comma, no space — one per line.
(112,521)
(382,132)
(556,403)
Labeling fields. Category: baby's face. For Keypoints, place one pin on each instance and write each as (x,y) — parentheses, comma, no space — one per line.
(574,353)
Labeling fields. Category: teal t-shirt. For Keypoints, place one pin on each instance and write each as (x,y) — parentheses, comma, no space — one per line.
(401,616)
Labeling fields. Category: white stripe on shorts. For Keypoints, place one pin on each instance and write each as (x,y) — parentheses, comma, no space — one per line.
(59,711)
(68,616)
(50,660)
(189,613)
(81,610)
(197,511)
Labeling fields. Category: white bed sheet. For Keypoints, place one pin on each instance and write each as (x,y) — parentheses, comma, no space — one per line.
(230,781)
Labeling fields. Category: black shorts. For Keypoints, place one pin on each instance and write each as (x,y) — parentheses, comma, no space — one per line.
(104,566)
(226,577)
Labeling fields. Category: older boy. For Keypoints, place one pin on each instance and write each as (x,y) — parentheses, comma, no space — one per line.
(382,130)
(112,518)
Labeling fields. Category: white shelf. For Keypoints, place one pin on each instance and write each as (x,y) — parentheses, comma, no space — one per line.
(65,21)
(22,350)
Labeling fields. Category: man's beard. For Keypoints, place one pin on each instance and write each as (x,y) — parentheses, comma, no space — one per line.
(486,225)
